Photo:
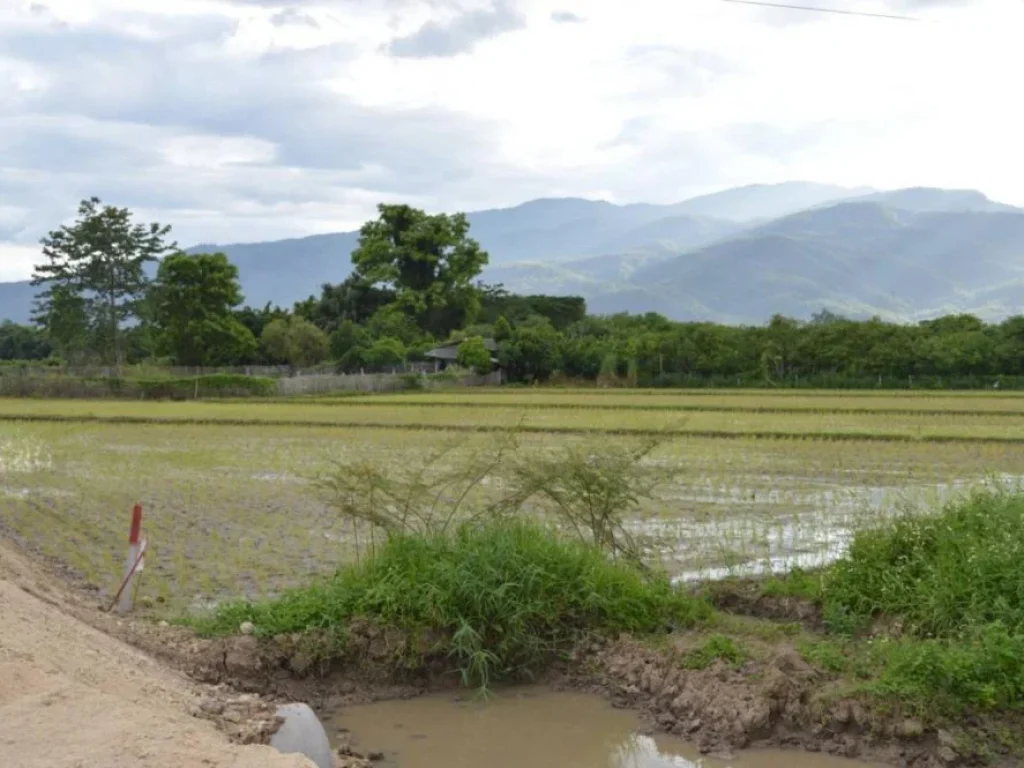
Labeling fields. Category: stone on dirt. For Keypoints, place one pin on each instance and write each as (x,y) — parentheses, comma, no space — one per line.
(302,733)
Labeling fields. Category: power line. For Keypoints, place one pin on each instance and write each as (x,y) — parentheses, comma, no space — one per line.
(766,4)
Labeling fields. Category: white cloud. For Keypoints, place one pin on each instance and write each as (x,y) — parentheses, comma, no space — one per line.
(250,119)
(17,261)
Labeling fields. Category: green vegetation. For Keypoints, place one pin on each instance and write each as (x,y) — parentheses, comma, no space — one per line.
(941,575)
(507,599)
(715,648)
(926,610)
(193,302)
(94,279)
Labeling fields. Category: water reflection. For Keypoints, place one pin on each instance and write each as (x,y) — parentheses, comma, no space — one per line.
(639,751)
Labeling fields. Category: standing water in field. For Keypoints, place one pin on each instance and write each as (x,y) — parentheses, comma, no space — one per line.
(532,727)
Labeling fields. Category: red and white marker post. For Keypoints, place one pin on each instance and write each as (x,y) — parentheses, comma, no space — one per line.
(133,562)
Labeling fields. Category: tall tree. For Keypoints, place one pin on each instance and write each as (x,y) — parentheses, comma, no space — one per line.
(429,260)
(193,303)
(98,264)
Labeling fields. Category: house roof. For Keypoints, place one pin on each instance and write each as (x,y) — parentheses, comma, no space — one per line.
(450,350)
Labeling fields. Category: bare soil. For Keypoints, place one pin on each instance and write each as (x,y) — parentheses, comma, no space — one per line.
(73,695)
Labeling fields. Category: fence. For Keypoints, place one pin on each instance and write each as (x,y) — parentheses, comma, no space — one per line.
(320,384)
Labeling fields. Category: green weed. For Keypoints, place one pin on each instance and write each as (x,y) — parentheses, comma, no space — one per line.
(509,596)
(936,575)
(714,648)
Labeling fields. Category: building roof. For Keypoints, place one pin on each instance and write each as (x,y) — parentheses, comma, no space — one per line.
(449,351)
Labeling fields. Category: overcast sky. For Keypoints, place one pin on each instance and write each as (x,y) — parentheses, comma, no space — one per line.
(242,120)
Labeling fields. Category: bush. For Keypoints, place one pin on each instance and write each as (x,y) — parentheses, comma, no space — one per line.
(937,575)
(950,588)
(510,597)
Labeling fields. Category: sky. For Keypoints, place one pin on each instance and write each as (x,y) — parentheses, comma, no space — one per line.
(247,120)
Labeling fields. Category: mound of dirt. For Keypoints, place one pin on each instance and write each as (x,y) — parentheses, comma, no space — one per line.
(72,695)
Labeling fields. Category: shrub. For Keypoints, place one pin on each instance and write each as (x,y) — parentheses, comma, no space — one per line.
(936,575)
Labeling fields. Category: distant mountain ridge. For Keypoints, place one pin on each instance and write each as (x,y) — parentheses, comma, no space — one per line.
(739,255)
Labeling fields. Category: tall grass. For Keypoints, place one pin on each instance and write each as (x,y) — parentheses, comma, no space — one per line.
(941,574)
(507,597)
(949,591)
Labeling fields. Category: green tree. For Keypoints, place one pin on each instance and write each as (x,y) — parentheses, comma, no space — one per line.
(353,300)
(473,353)
(95,270)
(61,313)
(295,341)
(22,342)
(428,260)
(385,352)
(502,329)
(532,354)
(193,303)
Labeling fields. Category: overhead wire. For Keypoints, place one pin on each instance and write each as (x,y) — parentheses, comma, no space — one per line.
(840,11)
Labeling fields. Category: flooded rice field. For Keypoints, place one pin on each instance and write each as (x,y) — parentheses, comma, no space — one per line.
(532,727)
(235,510)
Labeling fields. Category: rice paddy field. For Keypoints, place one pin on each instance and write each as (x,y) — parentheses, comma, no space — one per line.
(765,480)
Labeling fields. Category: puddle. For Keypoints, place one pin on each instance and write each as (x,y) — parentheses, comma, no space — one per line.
(533,727)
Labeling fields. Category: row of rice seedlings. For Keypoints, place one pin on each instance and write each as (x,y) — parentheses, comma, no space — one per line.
(754,403)
(829,425)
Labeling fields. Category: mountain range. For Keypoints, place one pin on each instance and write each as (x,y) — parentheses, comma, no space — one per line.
(736,256)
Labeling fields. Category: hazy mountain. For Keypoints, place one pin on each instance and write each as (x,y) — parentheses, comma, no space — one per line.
(766,201)
(903,254)
(16,301)
(856,258)
(931,200)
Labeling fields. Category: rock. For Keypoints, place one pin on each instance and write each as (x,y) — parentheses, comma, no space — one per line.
(302,733)
(246,628)
(694,725)
(665,720)
(375,757)
(947,739)
(242,658)
(211,706)
(162,624)
(947,755)
(911,728)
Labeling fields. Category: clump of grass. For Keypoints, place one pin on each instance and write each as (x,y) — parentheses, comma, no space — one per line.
(714,648)
(937,575)
(798,583)
(509,596)
(980,671)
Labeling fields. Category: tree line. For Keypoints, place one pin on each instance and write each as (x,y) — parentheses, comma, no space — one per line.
(414,283)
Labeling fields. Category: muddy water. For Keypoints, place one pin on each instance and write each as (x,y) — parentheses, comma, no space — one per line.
(536,728)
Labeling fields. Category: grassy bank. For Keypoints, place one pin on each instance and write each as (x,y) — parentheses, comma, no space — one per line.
(926,612)
(502,600)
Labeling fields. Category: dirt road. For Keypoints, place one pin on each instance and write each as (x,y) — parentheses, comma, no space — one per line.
(71,695)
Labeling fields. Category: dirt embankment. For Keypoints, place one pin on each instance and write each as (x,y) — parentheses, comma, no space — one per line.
(73,695)
(83,688)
